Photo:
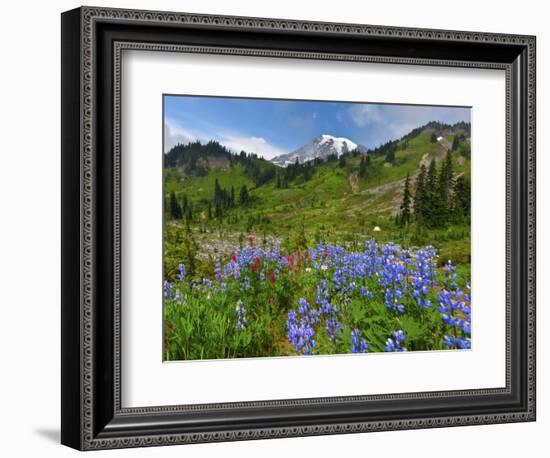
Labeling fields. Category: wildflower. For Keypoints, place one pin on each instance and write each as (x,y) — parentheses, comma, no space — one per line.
(358,345)
(256,265)
(464,343)
(300,331)
(455,312)
(218,272)
(168,290)
(365,293)
(423,275)
(450,275)
(324,267)
(271,276)
(392,278)
(182,272)
(395,344)
(240,310)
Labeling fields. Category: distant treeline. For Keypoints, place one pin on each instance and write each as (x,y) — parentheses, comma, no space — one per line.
(224,199)
(195,159)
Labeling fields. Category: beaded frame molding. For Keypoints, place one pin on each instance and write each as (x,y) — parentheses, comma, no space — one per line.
(93,40)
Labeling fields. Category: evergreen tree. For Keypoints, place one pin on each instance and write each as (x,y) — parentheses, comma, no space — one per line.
(175,209)
(442,201)
(420,196)
(217,194)
(184,205)
(390,157)
(278,183)
(244,197)
(405,215)
(342,161)
(209,210)
(232,198)
(454,146)
(363,167)
(461,200)
(433,138)
(430,210)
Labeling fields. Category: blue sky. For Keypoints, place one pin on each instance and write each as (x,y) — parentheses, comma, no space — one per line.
(270,127)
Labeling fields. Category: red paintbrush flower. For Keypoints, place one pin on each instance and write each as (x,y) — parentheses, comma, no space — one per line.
(271,276)
(256,266)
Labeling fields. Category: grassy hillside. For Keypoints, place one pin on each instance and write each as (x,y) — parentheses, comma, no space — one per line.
(334,204)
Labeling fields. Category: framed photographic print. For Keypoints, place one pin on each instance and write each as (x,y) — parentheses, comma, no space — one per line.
(279,228)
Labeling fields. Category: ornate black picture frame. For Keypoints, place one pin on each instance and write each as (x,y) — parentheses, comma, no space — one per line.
(92,42)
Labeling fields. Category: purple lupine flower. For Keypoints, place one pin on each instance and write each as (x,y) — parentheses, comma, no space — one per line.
(300,331)
(240,311)
(455,310)
(395,343)
(392,278)
(168,290)
(423,276)
(358,345)
(182,272)
(365,293)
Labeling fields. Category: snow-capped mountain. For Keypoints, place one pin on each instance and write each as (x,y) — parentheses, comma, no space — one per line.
(320,147)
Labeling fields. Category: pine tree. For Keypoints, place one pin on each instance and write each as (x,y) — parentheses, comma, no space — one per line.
(442,203)
(232,198)
(461,200)
(420,196)
(184,205)
(363,167)
(217,194)
(243,196)
(454,146)
(405,215)
(430,210)
(433,138)
(175,210)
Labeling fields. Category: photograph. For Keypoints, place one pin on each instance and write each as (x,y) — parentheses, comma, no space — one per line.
(307,227)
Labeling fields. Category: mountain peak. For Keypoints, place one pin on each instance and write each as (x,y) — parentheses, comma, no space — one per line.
(320,147)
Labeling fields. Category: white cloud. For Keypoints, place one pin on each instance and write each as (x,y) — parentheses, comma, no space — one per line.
(362,115)
(174,134)
(257,145)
